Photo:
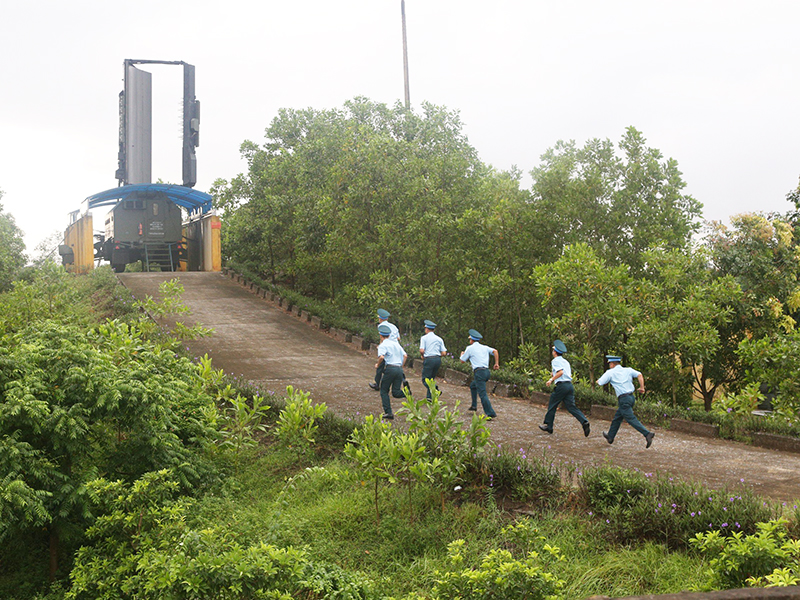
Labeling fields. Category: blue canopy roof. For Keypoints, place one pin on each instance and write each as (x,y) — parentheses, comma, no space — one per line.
(192,200)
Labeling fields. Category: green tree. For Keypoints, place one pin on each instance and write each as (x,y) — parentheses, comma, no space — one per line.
(587,302)
(618,203)
(335,195)
(12,248)
(77,404)
(682,307)
(761,254)
(772,360)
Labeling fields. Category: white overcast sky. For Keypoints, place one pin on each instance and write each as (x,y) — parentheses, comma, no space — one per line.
(714,84)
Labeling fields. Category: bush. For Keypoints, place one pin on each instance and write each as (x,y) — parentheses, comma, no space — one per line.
(765,557)
(297,422)
(639,506)
(142,546)
(498,576)
(519,478)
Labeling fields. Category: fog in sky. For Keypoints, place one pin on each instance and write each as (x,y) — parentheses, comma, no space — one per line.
(713,84)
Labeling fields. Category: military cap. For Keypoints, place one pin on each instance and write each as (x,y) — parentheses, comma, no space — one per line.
(613,358)
(430,324)
(383,314)
(474,335)
(559,347)
(384,330)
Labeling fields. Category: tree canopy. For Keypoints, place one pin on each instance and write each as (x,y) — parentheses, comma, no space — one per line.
(372,205)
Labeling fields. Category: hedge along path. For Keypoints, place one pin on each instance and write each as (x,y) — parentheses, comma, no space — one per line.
(257,340)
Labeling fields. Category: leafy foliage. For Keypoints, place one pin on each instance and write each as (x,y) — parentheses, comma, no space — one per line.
(12,249)
(682,309)
(297,421)
(498,576)
(619,203)
(168,304)
(79,404)
(446,440)
(638,505)
(764,558)
(326,195)
(587,302)
(141,545)
(523,478)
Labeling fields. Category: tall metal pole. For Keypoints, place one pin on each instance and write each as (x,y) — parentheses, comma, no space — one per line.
(405,54)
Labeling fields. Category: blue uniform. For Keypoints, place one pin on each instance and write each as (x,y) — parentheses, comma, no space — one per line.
(559,363)
(563,392)
(621,379)
(431,346)
(478,356)
(393,358)
(394,335)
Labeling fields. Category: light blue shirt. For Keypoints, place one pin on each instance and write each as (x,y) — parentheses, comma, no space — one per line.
(559,363)
(478,355)
(621,379)
(395,333)
(392,352)
(431,345)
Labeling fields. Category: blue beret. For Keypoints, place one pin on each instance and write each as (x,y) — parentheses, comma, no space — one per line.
(383,314)
(613,358)
(559,347)
(430,324)
(475,335)
(384,330)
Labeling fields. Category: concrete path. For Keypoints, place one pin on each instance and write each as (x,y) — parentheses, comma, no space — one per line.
(260,342)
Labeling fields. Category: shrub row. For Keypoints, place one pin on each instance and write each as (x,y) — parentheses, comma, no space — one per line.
(641,506)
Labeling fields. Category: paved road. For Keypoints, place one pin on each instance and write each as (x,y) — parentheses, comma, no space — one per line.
(256,340)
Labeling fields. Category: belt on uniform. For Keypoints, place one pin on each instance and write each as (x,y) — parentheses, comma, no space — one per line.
(481,369)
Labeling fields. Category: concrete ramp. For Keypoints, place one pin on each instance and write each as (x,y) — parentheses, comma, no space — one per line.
(258,341)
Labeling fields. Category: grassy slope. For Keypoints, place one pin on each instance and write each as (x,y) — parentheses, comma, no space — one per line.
(331,513)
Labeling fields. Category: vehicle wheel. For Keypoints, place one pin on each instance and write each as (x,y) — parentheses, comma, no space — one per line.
(118,268)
